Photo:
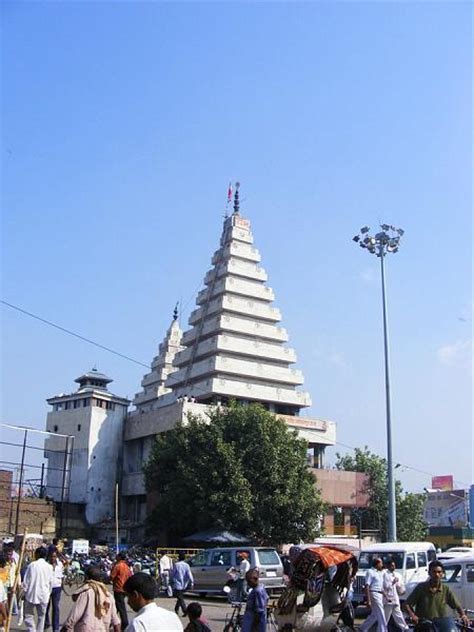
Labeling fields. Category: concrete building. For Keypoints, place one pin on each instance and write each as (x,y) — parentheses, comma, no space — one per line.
(84,469)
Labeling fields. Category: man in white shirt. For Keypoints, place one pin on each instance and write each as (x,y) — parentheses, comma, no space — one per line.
(37,587)
(374,595)
(244,567)
(392,589)
(141,591)
(166,564)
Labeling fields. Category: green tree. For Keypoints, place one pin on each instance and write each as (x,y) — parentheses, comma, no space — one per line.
(241,468)
(410,523)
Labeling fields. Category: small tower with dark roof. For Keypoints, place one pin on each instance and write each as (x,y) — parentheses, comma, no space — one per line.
(89,426)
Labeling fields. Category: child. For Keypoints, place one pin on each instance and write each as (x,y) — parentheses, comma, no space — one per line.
(255,617)
(196,623)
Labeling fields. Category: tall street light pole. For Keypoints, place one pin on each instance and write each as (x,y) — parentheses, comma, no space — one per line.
(384,242)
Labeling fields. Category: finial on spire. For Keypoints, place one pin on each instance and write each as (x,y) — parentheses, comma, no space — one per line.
(175,312)
(236,199)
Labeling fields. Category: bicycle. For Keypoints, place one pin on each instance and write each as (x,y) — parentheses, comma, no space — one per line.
(272,625)
(234,622)
(443,624)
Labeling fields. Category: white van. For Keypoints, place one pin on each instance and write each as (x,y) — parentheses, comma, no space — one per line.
(459,576)
(411,562)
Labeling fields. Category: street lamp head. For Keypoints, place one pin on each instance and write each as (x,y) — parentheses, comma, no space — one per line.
(387,240)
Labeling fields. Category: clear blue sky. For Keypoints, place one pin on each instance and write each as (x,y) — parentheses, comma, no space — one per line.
(123,124)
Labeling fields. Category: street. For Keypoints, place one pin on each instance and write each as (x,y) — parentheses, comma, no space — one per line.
(214,610)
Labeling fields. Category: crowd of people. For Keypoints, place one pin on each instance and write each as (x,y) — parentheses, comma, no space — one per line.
(32,593)
(430,601)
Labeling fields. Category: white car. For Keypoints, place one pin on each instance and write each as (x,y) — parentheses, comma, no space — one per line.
(455,551)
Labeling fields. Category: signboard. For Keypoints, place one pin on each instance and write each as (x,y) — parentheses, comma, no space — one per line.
(445,483)
(80,546)
(446,509)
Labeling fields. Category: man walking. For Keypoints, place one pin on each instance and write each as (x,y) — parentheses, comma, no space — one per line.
(11,559)
(374,596)
(165,566)
(37,588)
(430,599)
(119,575)
(393,587)
(182,580)
(141,591)
(93,609)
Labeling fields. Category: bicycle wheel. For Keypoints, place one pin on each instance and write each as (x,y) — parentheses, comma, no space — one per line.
(232,627)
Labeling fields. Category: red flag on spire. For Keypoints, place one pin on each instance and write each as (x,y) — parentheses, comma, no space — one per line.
(229,193)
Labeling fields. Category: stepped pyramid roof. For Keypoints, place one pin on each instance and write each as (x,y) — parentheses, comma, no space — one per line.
(235,348)
(153,383)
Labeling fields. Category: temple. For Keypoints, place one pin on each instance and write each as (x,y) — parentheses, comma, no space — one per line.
(233,350)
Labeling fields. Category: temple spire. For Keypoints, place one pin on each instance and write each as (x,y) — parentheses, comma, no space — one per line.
(236,199)
(175,312)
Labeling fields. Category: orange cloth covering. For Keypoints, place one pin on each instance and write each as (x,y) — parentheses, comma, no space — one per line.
(330,556)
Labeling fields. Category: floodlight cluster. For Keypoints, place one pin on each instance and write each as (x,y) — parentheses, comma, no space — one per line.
(387,240)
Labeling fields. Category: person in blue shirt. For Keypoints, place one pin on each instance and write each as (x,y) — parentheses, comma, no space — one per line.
(182,579)
(255,617)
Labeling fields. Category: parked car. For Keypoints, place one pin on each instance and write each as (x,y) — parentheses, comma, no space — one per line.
(210,567)
(455,551)
(411,562)
(459,575)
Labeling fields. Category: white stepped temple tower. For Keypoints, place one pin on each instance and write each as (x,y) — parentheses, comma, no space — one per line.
(153,383)
(235,348)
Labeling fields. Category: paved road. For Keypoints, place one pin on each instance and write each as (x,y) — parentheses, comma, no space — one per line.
(214,609)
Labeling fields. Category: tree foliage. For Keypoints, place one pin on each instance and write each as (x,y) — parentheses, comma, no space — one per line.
(242,469)
(410,523)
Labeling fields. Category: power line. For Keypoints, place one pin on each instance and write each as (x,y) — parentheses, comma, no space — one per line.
(73,333)
(408,467)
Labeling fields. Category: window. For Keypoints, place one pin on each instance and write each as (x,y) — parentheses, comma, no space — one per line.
(86,402)
(67,405)
(268,557)
(77,403)
(366,559)
(199,560)
(452,574)
(470,573)
(422,560)
(99,403)
(78,427)
(431,555)
(221,558)
(55,428)
(410,561)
